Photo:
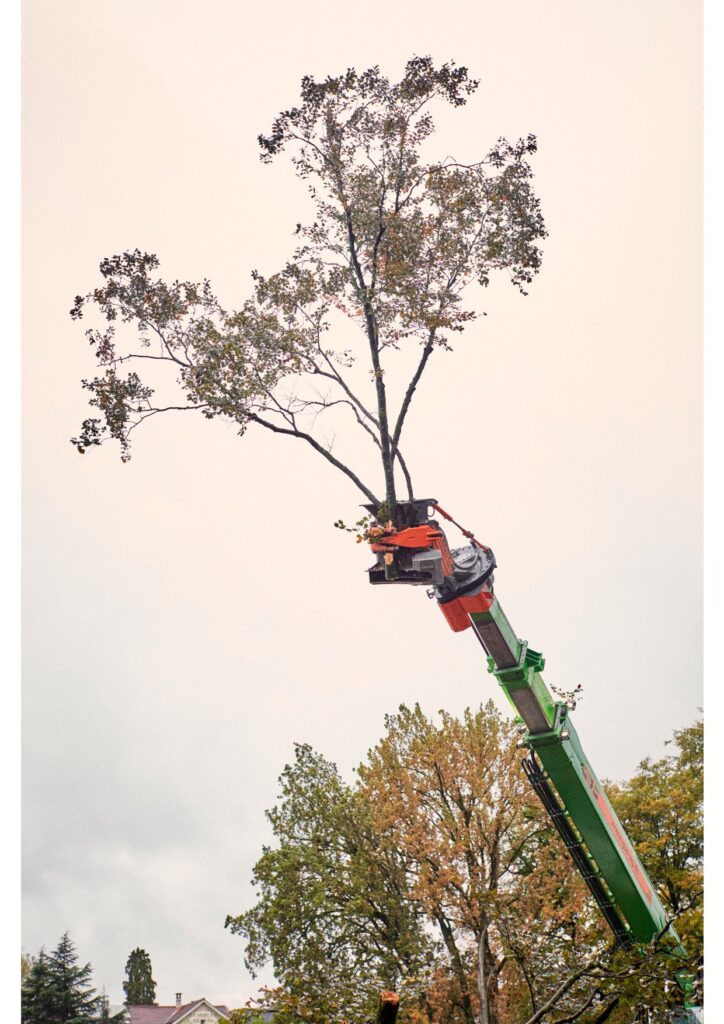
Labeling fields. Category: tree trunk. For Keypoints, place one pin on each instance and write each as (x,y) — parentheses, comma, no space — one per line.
(458,967)
(484,1015)
(386,447)
(388,461)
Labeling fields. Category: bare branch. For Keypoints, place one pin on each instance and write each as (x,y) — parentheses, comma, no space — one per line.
(145,355)
(165,408)
(565,987)
(336,376)
(411,388)
(318,448)
(577,1013)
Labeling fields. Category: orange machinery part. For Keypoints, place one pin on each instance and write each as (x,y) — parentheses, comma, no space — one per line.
(457,612)
(417,537)
(412,537)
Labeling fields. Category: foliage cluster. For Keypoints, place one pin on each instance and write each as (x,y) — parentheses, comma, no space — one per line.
(661,808)
(436,873)
(382,268)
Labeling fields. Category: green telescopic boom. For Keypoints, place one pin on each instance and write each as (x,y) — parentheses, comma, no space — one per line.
(569,788)
(461,580)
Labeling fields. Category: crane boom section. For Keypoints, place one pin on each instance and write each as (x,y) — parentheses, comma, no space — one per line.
(553,738)
(558,748)
(415,552)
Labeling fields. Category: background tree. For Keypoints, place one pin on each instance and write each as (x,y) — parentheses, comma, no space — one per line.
(661,808)
(38,996)
(437,873)
(139,986)
(57,989)
(436,862)
(333,914)
(512,914)
(381,268)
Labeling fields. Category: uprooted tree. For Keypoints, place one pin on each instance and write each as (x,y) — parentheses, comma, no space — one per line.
(380,272)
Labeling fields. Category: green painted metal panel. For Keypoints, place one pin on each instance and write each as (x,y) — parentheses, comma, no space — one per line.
(581,793)
(552,735)
(526,676)
(497,635)
(545,699)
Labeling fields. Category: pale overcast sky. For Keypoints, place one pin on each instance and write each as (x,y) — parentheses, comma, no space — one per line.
(190,615)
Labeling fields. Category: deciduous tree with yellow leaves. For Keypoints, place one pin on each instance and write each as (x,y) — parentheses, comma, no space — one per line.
(437,874)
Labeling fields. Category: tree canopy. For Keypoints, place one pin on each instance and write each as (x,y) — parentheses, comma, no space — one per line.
(436,873)
(331,916)
(139,986)
(661,808)
(380,272)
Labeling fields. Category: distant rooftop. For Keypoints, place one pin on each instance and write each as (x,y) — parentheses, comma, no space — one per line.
(168,1014)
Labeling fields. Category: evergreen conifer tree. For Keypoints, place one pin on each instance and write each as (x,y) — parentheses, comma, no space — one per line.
(37,991)
(57,990)
(139,986)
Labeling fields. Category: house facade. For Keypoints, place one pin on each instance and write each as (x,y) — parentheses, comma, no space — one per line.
(198,1011)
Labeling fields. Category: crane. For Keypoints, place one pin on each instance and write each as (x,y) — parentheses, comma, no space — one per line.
(414,551)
